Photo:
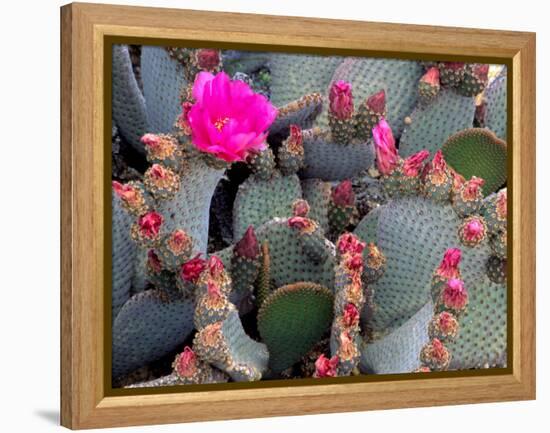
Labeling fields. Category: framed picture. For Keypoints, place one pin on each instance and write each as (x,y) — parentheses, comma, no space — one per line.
(270,216)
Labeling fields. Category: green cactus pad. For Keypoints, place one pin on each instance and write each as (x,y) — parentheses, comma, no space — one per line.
(482,338)
(150,325)
(433,124)
(301,112)
(163,81)
(368,226)
(289,262)
(414,236)
(128,103)
(190,208)
(496,115)
(327,160)
(259,201)
(318,195)
(292,319)
(398,78)
(295,75)
(478,152)
(123,255)
(398,351)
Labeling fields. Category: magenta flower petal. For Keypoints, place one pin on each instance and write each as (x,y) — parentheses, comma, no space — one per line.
(228,120)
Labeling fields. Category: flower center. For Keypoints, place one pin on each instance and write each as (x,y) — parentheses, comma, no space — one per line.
(220,123)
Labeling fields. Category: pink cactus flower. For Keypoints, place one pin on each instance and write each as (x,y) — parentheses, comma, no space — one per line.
(126,192)
(348,243)
(208,59)
(448,268)
(154,262)
(343,194)
(149,224)
(300,208)
(185,364)
(248,246)
(192,269)
(473,231)
(384,144)
(455,295)
(228,120)
(325,367)
(341,100)
(413,164)
(377,102)
(472,188)
(351,315)
(431,77)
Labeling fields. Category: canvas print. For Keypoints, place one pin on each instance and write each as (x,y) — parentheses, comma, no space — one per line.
(299,216)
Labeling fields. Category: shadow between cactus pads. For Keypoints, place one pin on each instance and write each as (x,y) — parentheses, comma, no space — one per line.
(292,319)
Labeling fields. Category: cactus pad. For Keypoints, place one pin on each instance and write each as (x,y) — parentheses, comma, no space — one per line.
(478,152)
(292,319)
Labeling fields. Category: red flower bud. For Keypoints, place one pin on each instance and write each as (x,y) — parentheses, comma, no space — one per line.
(349,243)
(149,224)
(351,315)
(325,367)
(343,194)
(448,268)
(192,269)
(248,246)
(341,100)
(431,77)
(377,102)
(455,295)
(412,165)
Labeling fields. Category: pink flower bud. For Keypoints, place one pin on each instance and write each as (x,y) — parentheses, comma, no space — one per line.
(343,194)
(384,144)
(438,352)
(183,119)
(154,262)
(502,204)
(208,59)
(192,269)
(348,243)
(439,163)
(341,100)
(215,266)
(455,295)
(301,223)
(185,364)
(355,262)
(472,188)
(300,208)
(448,268)
(481,71)
(473,231)
(159,146)
(412,165)
(447,323)
(377,102)
(179,242)
(325,367)
(158,171)
(431,77)
(295,138)
(248,246)
(127,193)
(151,140)
(351,315)
(149,224)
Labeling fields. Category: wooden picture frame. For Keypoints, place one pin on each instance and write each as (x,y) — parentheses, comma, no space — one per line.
(86,30)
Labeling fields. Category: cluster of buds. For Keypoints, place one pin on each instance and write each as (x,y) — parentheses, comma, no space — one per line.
(347,124)
(399,176)
(450,300)
(349,301)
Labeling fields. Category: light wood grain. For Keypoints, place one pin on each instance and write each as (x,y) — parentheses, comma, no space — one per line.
(83,400)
